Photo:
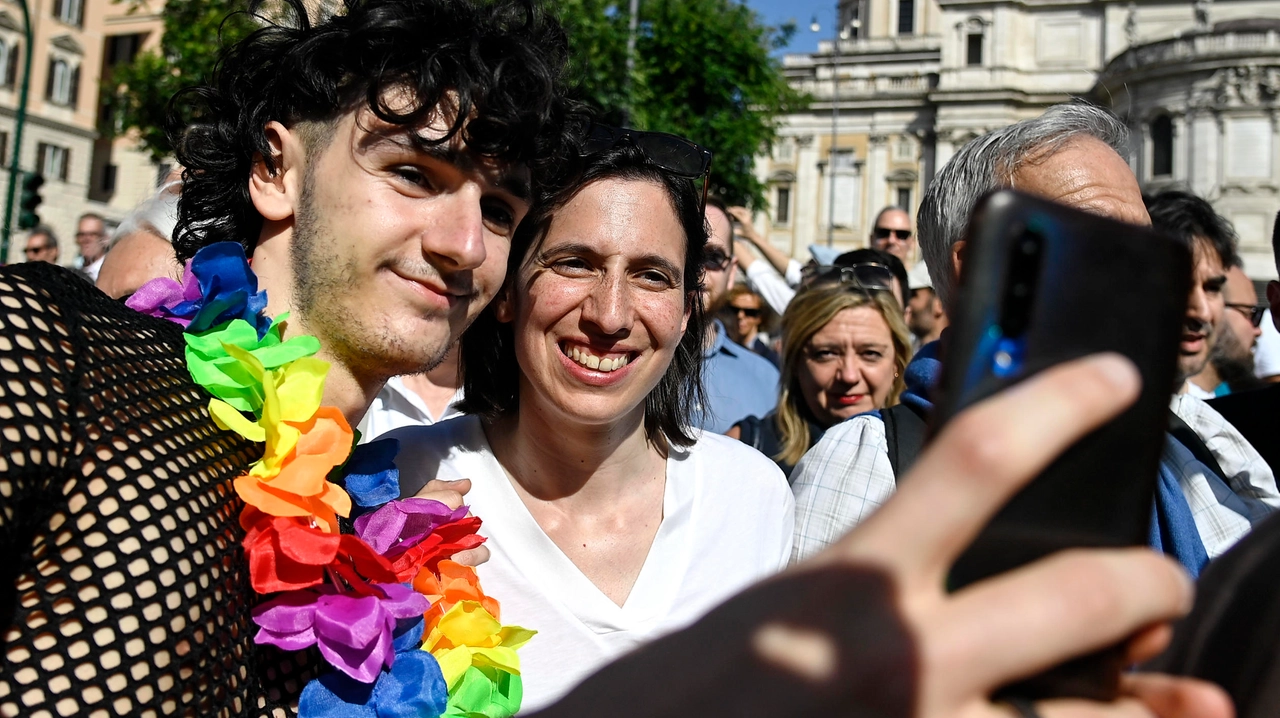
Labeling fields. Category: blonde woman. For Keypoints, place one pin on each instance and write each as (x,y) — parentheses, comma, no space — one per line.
(844,348)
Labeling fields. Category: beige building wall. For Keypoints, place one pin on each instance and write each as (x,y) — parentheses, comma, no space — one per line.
(79,37)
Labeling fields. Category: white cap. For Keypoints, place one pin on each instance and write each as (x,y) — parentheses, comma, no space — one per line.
(824,255)
(1266,353)
(919,277)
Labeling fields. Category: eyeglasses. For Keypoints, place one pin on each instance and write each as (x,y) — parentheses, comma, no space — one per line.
(671,153)
(83,235)
(31,251)
(716,261)
(1254,313)
(864,275)
(751,312)
(884,232)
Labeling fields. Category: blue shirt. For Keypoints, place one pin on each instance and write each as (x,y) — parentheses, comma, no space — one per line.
(739,383)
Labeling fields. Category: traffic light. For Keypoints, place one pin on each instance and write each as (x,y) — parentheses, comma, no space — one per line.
(30,201)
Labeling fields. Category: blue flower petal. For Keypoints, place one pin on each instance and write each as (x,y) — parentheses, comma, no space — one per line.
(413,688)
(371,475)
(228,289)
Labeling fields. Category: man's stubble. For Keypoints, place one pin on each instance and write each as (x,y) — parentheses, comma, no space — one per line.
(323,283)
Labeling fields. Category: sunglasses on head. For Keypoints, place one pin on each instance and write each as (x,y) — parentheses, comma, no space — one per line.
(671,153)
(871,276)
(884,232)
(1254,313)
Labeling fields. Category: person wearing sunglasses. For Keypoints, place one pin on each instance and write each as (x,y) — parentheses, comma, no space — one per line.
(845,349)
(1230,365)
(739,383)
(891,232)
(610,519)
(42,246)
(745,317)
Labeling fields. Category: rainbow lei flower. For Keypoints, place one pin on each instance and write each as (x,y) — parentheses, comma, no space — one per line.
(408,632)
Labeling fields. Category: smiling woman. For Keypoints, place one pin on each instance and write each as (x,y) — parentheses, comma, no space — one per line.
(610,521)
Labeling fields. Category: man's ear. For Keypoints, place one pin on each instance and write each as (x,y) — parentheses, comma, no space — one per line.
(504,309)
(1273,298)
(276,194)
(957,260)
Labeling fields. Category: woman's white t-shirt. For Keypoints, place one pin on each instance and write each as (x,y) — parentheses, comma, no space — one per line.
(727,522)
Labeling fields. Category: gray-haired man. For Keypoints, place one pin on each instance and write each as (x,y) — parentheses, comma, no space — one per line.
(1072,154)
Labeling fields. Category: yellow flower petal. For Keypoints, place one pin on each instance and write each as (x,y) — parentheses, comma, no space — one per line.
(228,418)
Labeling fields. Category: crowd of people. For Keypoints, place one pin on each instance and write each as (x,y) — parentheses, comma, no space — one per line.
(698,462)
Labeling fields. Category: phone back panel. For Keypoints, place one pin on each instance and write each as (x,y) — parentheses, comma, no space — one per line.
(1101,286)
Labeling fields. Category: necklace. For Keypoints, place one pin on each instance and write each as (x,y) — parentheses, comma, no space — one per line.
(407,630)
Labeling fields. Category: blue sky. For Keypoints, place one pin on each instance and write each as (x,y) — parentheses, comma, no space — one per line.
(776,12)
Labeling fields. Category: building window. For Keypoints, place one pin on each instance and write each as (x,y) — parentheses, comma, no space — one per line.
(1162,146)
(123,48)
(842,159)
(852,26)
(8,63)
(64,83)
(4,149)
(903,150)
(108,180)
(973,49)
(782,206)
(904,199)
(906,17)
(69,11)
(52,161)
(786,150)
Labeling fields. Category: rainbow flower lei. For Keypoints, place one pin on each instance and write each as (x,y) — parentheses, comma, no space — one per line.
(409,632)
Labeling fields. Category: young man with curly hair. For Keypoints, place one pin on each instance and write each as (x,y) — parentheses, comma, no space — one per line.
(373,165)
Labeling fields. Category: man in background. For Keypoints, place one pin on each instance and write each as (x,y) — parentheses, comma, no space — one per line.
(925,316)
(1230,366)
(42,245)
(891,232)
(739,383)
(91,236)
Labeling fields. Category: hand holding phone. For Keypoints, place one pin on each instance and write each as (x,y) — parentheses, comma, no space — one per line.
(1043,284)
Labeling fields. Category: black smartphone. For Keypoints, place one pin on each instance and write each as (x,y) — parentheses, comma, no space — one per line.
(1042,284)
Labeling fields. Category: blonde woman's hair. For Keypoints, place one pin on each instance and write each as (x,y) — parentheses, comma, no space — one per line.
(808,313)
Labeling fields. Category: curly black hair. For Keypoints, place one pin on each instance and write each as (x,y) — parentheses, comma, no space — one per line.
(499,64)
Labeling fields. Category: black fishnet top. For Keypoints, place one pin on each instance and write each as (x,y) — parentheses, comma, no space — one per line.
(125,590)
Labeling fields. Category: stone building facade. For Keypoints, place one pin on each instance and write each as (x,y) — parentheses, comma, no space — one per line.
(1204,109)
(913,80)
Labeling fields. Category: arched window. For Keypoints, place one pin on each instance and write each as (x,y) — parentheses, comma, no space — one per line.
(63,83)
(974,34)
(1162,146)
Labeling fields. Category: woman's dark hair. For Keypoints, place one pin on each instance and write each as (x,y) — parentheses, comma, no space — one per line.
(487,356)
(879,256)
(496,64)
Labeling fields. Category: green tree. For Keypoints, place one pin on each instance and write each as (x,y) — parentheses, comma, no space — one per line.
(194,33)
(702,70)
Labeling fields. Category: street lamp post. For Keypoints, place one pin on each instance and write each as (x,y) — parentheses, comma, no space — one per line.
(841,30)
(19,121)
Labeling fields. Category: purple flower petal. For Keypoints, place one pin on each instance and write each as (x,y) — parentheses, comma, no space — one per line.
(353,632)
(404,523)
